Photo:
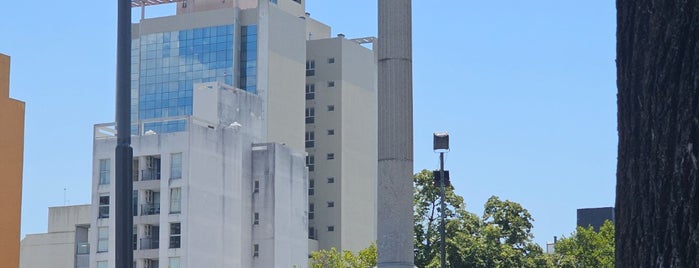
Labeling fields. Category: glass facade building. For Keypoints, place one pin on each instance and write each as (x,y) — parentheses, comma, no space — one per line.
(167,65)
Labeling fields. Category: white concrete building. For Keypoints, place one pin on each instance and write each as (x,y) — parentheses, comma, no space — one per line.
(341,142)
(212,195)
(64,245)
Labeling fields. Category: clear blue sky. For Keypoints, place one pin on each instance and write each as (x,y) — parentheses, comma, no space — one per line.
(525,88)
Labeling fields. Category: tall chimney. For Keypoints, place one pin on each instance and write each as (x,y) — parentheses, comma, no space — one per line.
(395,133)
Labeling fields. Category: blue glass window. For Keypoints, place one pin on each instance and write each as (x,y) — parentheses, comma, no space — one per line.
(165,67)
(248,58)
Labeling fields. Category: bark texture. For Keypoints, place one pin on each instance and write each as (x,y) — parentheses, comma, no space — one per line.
(657,201)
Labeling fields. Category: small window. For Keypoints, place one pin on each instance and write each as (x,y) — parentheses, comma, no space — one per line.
(331,83)
(331,204)
(310,91)
(174,262)
(311,211)
(331,228)
(310,115)
(331,132)
(331,179)
(175,234)
(311,187)
(310,162)
(331,108)
(104,207)
(256,219)
(297,1)
(256,250)
(331,60)
(175,200)
(102,239)
(312,234)
(310,139)
(104,171)
(176,166)
(310,67)
(256,187)
(330,156)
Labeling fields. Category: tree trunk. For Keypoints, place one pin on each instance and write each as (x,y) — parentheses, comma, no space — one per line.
(657,199)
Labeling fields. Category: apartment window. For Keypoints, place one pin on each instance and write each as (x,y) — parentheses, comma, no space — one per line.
(312,234)
(331,132)
(134,203)
(297,1)
(331,60)
(104,171)
(134,238)
(175,234)
(330,156)
(331,179)
(310,115)
(152,171)
(311,187)
(152,205)
(310,91)
(310,66)
(175,200)
(256,187)
(310,139)
(331,228)
(331,204)
(311,211)
(331,83)
(176,166)
(331,108)
(256,219)
(173,262)
(103,264)
(256,250)
(310,162)
(102,239)
(104,206)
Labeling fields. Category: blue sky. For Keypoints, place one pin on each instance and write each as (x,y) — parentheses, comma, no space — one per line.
(525,88)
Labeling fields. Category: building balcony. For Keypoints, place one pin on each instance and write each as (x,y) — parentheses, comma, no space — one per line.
(150,243)
(150,209)
(150,175)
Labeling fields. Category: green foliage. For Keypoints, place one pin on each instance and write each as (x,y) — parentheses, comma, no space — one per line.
(346,259)
(587,248)
(501,238)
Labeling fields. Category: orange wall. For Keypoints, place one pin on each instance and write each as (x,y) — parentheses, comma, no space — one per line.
(11,156)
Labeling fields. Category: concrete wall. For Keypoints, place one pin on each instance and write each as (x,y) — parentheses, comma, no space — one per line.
(57,248)
(11,164)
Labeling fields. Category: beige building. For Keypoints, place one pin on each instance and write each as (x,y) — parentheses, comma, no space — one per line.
(64,245)
(341,142)
(11,159)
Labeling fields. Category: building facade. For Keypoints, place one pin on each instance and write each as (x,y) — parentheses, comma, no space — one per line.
(213,194)
(11,164)
(341,142)
(64,245)
(594,217)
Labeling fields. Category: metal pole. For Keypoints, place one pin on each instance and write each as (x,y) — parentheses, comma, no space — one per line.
(123,214)
(442,231)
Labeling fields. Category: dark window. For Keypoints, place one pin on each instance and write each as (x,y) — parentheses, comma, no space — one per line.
(310,91)
(331,204)
(330,156)
(104,207)
(331,83)
(331,60)
(311,187)
(331,108)
(310,139)
(256,187)
(175,235)
(256,220)
(331,132)
(311,211)
(310,65)
(331,179)
(310,162)
(331,228)
(310,115)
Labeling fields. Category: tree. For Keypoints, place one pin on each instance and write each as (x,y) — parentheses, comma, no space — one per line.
(346,259)
(587,248)
(501,238)
(657,200)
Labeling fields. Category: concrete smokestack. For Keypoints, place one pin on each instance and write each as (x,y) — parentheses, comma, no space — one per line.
(395,167)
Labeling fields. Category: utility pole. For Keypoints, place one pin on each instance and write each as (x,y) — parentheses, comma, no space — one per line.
(395,135)
(123,218)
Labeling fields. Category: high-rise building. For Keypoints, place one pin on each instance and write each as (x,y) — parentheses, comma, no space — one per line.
(11,161)
(341,142)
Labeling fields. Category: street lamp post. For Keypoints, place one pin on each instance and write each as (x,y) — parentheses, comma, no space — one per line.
(441,145)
